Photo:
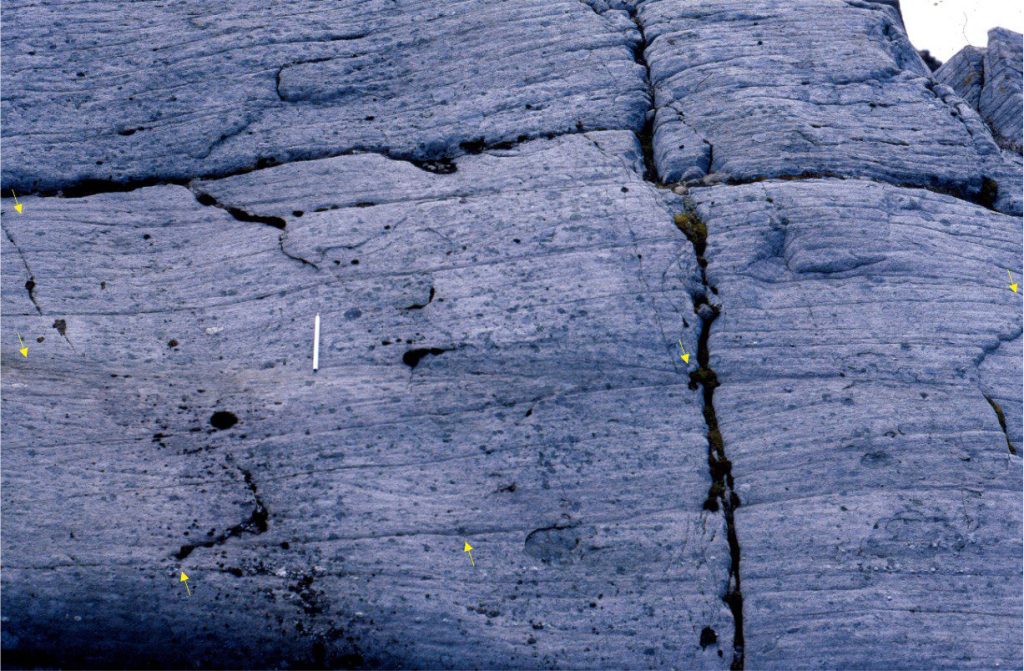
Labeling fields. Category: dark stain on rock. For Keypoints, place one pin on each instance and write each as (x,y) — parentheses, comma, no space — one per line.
(257,522)
(879,458)
(61,326)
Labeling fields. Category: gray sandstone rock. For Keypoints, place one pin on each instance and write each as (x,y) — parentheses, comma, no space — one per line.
(862,327)
(509,217)
(1001,99)
(991,80)
(965,74)
(189,89)
(844,94)
(547,419)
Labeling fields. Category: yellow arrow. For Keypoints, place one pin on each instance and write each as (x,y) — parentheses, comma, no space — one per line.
(684,356)
(184,579)
(469,549)
(23,350)
(1013,285)
(17,205)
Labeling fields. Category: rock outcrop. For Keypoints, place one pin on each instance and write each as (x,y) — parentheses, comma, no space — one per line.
(692,318)
(990,79)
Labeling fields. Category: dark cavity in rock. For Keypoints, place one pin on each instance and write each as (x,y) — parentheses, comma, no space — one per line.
(412,357)
(222,419)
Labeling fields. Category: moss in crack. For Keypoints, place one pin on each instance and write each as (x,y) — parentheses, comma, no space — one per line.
(695,230)
(721,494)
(646,138)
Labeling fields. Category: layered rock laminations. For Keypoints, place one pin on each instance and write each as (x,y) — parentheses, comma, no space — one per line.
(990,79)
(692,318)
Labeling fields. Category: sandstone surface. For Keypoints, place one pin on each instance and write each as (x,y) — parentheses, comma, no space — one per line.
(692,318)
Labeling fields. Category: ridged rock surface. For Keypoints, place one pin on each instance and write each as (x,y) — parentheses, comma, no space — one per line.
(872,438)
(195,88)
(497,365)
(693,318)
(965,73)
(772,94)
(990,79)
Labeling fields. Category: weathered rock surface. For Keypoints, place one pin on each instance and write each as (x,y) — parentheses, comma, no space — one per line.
(991,80)
(468,196)
(1001,99)
(775,94)
(497,364)
(187,89)
(862,328)
(965,74)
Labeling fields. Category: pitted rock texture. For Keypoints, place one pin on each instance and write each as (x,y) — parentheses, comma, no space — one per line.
(515,220)
(543,392)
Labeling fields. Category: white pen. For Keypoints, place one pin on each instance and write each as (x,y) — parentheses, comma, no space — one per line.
(316,342)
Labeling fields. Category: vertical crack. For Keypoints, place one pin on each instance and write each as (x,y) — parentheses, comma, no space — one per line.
(646,134)
(722,495)
(1002,422)
(30,283)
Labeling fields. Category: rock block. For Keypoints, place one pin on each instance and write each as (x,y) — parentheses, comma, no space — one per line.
(172,92)
(862,327)
(806,89)
(1001,103)
(965,74)
(497,364)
